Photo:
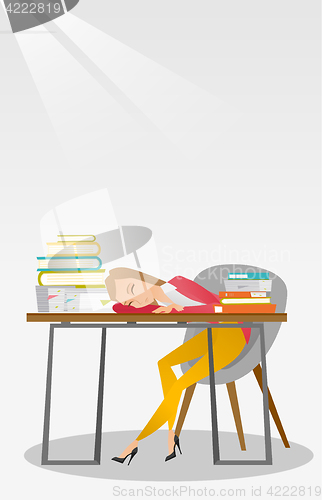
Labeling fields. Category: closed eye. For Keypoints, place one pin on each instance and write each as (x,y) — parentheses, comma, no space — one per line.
(130,303)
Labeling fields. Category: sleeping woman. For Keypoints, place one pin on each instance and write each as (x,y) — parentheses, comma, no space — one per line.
(136,291)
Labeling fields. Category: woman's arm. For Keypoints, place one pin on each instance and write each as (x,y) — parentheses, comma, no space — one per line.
(121,309)
(160,295)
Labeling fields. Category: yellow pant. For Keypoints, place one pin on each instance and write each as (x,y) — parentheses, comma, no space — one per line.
(227,345)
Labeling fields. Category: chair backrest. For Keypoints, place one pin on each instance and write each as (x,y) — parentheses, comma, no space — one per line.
(212,279)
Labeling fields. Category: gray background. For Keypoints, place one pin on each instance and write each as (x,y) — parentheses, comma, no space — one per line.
(231,174)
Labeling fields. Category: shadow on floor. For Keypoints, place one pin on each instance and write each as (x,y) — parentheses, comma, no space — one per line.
(149,464)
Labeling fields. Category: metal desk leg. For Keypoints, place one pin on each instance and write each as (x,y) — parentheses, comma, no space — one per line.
(99,414)
(269,458)
(215,431)
(98,431)
(45,450)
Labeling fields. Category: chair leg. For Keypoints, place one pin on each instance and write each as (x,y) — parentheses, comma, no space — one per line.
(258,374)
(231,387)
(185,406)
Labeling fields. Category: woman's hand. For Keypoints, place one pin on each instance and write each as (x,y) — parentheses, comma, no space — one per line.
(169,308)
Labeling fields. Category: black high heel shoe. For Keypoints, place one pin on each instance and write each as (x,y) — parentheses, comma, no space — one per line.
(173,455)
(121,460)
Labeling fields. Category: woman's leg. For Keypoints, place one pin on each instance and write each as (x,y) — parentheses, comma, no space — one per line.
(193,348)
(169,405)
(227,345)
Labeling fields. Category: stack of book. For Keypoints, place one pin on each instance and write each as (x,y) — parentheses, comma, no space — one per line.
(71,277)
(246,293)
(50,299)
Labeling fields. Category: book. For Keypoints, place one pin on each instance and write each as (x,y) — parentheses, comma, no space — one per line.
(50,299)
(77,301)
(243,294)
(248,276)
(247,308)
(87,287)
(69,238)
(69,263)
(73,248)
(71,298)
(255,300)
(56,303)
(247,285)
(55,278)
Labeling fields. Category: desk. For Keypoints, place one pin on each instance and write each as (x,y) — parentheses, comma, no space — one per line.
(172,320)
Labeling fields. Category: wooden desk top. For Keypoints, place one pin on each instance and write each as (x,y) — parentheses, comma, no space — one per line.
(92,317)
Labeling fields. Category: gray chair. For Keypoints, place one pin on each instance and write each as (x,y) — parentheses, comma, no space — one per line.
(249,359)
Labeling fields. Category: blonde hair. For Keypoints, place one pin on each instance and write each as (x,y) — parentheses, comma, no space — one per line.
(125,272)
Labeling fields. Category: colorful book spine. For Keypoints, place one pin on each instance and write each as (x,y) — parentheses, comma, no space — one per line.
(255,300)
(61,249)
(247,285)
(248,308)
(248,276)
(242,294)
(72,278)
(68,238)
(65,264)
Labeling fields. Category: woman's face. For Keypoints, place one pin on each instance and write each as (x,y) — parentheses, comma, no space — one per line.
(133,292)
